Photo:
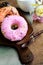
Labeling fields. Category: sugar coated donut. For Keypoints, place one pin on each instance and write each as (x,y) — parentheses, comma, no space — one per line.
(14,28)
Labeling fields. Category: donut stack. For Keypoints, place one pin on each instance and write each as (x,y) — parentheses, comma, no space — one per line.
(7,11)
(38,14)
(13,26)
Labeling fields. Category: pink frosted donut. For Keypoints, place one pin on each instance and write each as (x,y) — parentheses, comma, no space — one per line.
(20,28)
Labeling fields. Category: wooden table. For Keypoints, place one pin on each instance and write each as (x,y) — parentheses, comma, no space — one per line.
(37,46)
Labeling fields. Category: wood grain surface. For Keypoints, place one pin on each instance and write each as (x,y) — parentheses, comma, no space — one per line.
(37,46)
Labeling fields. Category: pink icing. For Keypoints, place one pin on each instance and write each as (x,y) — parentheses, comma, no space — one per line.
(35,17)
(14,35)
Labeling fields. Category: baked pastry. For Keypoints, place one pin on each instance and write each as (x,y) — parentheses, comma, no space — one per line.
(14,28)
(38,14)
(5,11)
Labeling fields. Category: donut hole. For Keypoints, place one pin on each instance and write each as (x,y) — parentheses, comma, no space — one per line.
(14,26)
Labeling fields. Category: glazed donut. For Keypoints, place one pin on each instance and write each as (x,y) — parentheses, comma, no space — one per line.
(38,14)
(5,11)
(39,11)
(14,28)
